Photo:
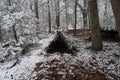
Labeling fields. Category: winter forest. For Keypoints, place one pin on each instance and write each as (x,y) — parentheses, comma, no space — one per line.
(59,39)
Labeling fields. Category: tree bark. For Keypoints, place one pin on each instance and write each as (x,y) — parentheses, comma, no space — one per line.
(0,33)
(66,13)
(49,17)
(14,32)
(36,8)
(95,27)
(75,17)
(37,16)
(9,2)
(116,10)
(85,13)
(57,14)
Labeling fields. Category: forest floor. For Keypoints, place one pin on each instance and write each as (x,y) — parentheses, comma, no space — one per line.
(85,64)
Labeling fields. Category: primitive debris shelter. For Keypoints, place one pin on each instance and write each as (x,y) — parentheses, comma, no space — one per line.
(60,44)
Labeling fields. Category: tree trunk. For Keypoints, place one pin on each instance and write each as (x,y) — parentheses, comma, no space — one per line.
(57,14)
(88,12)
(49,17)
(9,2)
(85,13)
(66,13)
(0,33)
(75,17)
(15,34)
(37,16)
(36,8)
(84,19)
(116,10)
(105,20)
(94,20)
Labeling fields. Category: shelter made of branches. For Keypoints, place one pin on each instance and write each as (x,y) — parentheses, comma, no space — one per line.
(60,44)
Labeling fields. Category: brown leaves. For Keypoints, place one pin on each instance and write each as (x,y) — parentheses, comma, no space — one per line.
(56,70)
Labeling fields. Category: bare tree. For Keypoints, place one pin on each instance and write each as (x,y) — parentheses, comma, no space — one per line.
(9,2)
(105,22)
(116,10)
(36,8)
(0,33)
(75,17)
(13,27)
(85,8)
(0,29)
(15,33)
(84,11)
(95,27)
(49,17)
(37,16)
(57,9)
(66,12)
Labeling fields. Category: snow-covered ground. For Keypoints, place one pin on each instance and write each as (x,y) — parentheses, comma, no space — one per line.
(37,61)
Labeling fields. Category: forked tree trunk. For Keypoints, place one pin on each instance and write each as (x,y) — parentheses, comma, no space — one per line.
(84,11)
(94,20)
(116,10)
